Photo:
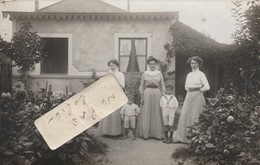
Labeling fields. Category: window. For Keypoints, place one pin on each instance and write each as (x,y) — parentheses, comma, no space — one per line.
(132,54)
(57,60)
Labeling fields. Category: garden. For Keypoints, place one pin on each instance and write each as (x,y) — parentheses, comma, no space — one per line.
(20,141)
(227,133)
(228,130)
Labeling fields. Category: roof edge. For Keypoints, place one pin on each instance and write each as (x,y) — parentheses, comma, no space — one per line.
(86,15)
(61,1)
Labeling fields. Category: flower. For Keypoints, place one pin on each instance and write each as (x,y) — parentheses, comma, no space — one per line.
(230,119)
(6,95)
(226,151)
(230,98)
(19,85)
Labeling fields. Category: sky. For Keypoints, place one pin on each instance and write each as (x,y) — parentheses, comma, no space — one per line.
(210,17)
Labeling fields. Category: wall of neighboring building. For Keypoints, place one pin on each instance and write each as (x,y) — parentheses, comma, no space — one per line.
(92,45)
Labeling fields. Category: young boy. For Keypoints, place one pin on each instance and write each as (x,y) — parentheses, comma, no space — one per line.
(129,112)
(169,105)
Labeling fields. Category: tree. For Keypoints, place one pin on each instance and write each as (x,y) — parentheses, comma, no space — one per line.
(243,67)
(26,49)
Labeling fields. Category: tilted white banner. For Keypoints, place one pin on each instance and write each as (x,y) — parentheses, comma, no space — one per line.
(81,111)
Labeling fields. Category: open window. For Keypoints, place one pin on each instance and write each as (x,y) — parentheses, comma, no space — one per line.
(57,60)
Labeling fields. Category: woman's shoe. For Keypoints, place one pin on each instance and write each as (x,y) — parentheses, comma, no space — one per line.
(165,140)
(169,141)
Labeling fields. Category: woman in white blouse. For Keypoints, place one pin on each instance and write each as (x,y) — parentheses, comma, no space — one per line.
(149,123)
(111,125)
(196,83)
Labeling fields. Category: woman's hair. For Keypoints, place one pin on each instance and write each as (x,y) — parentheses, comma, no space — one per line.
(114,61)
(151,58)
(197,59)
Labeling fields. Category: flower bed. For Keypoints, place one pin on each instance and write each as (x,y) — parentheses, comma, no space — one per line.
(228,132)
(21,143)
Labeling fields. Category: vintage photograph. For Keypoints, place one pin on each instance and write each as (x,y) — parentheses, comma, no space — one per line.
(129,82)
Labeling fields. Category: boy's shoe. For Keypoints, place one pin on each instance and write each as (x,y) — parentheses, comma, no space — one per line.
(165,140)
(133,138)
(169,141)
(125,136)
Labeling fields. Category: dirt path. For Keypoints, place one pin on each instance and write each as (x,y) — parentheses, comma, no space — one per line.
(139,151)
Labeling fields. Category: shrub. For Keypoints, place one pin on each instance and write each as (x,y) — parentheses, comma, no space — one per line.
(21,142)
(229,132)
(133,81)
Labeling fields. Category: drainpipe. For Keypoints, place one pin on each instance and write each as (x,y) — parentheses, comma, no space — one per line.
(36,4)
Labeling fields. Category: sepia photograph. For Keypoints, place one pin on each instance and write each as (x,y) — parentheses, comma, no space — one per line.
(129,82)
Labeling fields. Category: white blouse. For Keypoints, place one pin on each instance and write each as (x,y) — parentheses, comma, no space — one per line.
(197,79)
(119,76)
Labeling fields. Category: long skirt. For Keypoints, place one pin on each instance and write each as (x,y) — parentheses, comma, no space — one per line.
(111,125)
(150,122)
(192,107)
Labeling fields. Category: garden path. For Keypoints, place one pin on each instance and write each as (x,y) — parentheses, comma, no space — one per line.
(139,152)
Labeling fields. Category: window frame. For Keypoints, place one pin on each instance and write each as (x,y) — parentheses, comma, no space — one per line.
(118,36)
(56,73)
(139,38)
(58,35)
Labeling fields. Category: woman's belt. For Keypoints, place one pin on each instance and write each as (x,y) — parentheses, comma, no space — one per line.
(152,86)
(193,89)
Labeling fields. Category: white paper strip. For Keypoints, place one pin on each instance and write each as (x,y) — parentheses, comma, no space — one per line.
(81,111)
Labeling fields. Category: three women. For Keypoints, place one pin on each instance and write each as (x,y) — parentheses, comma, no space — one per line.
(151,89)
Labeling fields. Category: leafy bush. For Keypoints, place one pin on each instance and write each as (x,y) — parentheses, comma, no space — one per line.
(90,81)
(21,142)
(133,81)
(26,48)
(228,132)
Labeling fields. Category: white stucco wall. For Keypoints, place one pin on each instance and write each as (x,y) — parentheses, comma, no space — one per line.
(92,45)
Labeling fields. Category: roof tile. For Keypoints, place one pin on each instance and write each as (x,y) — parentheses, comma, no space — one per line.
(81,6)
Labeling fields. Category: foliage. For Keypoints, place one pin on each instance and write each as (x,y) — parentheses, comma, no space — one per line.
(90,81)
(20,141)
(26,48)
(189,42)
(4,46)
(228,132)
(133,81)
(164,66)
(242,69)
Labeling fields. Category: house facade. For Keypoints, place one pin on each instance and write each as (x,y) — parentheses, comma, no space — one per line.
(82,36)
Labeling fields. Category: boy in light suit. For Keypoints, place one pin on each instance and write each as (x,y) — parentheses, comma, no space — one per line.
(169,105)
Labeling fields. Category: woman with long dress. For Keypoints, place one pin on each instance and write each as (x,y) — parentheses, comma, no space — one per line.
(196,84)
(152,87)
(111,125)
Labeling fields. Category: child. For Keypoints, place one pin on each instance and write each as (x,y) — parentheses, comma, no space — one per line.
(169,105)
(129,112)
